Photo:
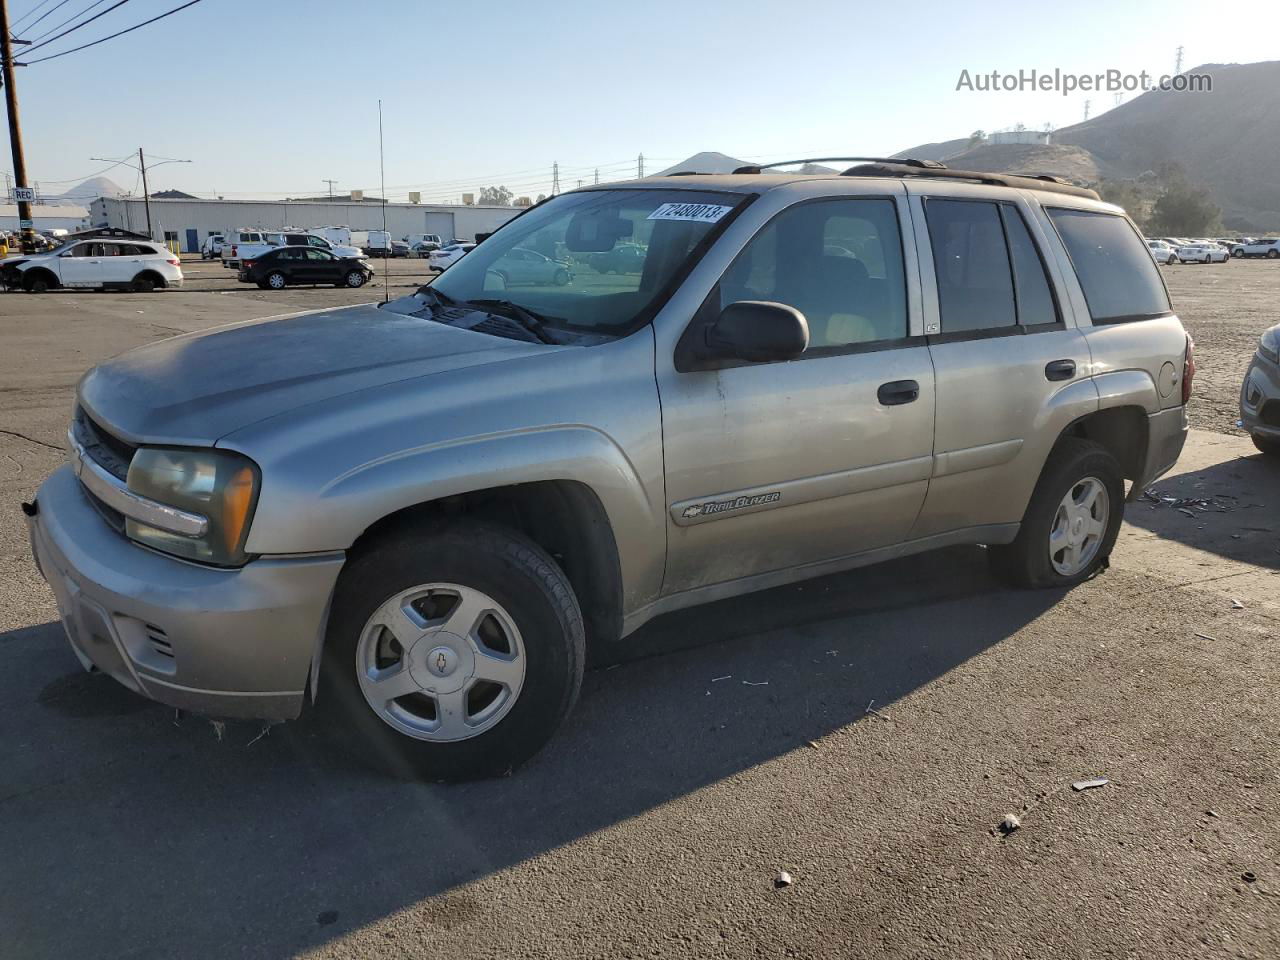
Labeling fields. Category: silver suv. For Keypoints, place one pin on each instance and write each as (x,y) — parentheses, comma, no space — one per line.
(417,517)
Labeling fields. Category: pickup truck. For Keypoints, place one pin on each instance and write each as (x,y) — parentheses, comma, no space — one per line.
(251,250)
(417,517)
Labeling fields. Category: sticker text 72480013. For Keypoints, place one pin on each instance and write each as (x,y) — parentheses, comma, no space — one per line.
(697,212)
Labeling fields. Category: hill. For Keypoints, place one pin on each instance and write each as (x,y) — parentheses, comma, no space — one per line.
(1227,139)
(709,161)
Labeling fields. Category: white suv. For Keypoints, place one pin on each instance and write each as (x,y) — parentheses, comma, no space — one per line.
(98,265)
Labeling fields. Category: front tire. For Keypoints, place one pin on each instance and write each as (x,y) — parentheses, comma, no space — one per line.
(355,279)
(1238,254)
(38,284)
(1266,445)
(1273,254)
(1070,525)
(453,652)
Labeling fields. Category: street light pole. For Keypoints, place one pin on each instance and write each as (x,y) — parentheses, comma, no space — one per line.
(21,192)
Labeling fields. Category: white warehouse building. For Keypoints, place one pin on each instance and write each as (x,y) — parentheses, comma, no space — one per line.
(188,222)
(46,216)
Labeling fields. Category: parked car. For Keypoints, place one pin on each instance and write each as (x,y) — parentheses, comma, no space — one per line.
(1268,247)
(523,266)
(422,514)
(623,258)
(271,241)
(429,241)
(211,248)
(280,267)
(1260,395)
(423,249)
(374,243)
(1161,252)
(236,239)
(1199,252)
(442,259)
(96,265)
(399,248)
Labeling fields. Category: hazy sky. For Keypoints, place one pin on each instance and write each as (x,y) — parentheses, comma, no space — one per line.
(270,98)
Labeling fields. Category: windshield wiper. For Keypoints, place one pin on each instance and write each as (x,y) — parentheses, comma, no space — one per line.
(441,299)
(531,321)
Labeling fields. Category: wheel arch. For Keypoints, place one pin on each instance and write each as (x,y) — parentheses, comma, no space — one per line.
(30,275)
(1123,431)
(153,275)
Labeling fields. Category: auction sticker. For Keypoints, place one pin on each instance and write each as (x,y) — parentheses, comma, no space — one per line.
(696,212)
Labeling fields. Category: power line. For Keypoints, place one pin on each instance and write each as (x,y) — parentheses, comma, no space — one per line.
(14,26)
(83,23)
(120,33)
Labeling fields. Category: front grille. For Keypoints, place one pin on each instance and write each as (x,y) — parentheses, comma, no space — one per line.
(100,445)
(159,640)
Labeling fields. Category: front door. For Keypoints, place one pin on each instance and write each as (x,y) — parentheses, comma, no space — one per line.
(320,266)
(774,466)
(1004,351)
(82,265)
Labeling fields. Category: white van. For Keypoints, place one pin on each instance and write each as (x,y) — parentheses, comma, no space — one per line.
(375,243)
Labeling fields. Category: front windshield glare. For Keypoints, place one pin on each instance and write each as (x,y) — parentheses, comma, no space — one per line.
(595,260)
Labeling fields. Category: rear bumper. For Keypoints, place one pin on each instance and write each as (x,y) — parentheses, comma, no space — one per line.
(232,643)
(1260,399)
(1166,436)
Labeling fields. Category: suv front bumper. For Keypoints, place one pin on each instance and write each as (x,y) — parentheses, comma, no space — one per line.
(1260,399)
(222,642)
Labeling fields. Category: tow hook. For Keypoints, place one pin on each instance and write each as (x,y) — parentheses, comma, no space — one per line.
(30,509)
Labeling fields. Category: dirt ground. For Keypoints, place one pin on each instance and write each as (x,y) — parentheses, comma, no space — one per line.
(865,732)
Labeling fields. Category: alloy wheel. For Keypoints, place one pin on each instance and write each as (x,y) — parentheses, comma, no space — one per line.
(1079,526)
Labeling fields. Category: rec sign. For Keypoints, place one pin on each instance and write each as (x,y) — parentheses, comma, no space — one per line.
(24,195)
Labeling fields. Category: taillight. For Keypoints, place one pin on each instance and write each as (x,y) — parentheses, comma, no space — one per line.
(233,251)
(248,264)
(176,262)
(1188,368)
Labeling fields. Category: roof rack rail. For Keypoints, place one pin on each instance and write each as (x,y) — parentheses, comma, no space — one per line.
(1044,182)
(905,161)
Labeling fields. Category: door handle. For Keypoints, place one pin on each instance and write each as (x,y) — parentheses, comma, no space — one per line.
(897,392)
(1060,370)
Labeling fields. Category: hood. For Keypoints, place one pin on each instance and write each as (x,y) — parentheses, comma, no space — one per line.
(192,390)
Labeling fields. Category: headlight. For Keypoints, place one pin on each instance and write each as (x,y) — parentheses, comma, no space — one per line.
(1269,345)
(218,484)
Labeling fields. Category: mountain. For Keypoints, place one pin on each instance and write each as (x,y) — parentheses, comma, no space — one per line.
(91,190)
(709,161)
(1225,140)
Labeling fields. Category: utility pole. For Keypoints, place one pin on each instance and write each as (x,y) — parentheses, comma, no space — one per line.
(579,183)
(330,183)
(555,178)
(1087,105)
(640,167)
(146,194)
(1177,61)
(21,192)
(597,179)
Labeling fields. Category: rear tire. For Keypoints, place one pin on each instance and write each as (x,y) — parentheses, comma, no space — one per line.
(1266,445)
(512,581)
(143,284)
(1061,513)
(1238,254)
(276,280)
(1273,254)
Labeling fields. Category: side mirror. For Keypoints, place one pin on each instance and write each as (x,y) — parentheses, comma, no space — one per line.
(758,331)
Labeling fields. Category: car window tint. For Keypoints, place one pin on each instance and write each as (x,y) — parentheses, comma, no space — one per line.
(316,255)
(839,262)
(971,262)
(1120,281)
(1030,282)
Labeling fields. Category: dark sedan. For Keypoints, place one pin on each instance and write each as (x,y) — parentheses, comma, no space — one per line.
(277,269)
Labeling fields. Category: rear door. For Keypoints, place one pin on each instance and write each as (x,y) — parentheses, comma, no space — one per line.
(776,466)
(1003,345)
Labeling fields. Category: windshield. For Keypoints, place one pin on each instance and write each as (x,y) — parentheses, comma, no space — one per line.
(596,260)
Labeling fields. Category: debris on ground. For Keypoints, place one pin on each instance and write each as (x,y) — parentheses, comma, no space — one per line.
(783,879)
(219,728)
(1205,636)
(1237,605)
(1089,784)
(727,676)
(266,729)
(1217,503)
(871,708)
(1249,876)
(756,683)
(1009,824)
(813,743)
(1212,813)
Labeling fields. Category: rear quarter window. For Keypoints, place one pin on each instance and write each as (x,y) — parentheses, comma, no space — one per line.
(1120,280)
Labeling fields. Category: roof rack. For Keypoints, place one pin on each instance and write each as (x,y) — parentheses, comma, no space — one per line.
(899,168)
(904,161)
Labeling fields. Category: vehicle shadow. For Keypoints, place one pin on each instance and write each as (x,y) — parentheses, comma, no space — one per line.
(1230,508)
(265,845)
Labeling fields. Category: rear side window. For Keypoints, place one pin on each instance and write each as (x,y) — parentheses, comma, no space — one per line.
(1120,280)
(1031,285)
(971,261)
